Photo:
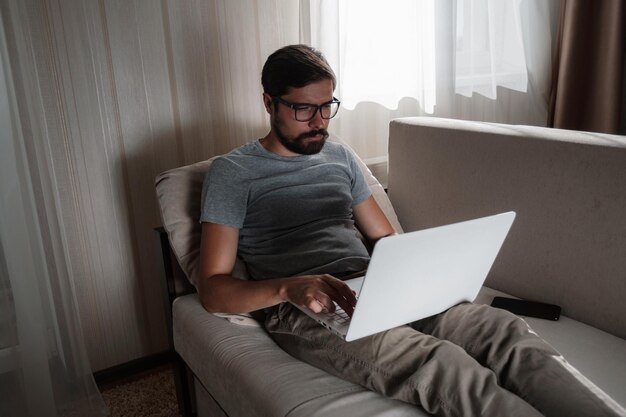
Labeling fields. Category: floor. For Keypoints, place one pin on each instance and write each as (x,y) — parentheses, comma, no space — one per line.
(145,393)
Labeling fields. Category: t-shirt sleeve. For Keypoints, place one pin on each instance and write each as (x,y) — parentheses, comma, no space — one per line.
(224,194)
(360,190)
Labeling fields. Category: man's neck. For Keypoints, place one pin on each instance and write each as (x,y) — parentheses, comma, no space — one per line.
(271,144)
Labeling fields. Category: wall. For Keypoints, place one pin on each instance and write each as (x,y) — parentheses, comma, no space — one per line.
(111,93)
(622,130)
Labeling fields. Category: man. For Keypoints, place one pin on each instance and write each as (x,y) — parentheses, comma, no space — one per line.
(287,205)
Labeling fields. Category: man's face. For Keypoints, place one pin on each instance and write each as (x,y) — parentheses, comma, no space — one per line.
(302,138)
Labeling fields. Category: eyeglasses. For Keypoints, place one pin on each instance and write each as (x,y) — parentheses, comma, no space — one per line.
(306,112)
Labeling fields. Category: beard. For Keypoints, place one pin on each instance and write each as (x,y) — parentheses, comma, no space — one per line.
(299,144)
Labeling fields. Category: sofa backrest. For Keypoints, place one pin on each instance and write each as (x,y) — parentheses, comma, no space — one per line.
(568,243)
(179,192)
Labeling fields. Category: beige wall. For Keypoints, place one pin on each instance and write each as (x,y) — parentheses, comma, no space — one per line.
(110,94)
(113,92)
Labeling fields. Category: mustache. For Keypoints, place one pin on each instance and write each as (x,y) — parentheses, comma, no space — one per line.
(314,132)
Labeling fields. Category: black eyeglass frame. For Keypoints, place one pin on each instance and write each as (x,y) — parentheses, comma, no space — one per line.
(301,106)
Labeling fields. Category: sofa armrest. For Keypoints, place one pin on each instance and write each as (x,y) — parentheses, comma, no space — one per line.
(567,245)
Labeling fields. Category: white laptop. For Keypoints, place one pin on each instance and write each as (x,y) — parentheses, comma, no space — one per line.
(419,274)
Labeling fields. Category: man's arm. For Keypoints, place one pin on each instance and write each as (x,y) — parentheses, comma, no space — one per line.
(371,220)
(221,292)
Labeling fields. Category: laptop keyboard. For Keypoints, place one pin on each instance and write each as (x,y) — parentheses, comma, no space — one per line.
(340,316)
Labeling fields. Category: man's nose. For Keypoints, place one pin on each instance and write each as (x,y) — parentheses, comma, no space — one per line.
(317,121)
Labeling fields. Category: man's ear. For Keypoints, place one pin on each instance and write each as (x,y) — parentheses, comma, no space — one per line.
(267,102)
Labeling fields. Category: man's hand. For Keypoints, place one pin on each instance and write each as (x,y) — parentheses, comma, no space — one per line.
(317,293)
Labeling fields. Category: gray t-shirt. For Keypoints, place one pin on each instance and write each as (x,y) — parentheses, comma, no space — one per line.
(294,213)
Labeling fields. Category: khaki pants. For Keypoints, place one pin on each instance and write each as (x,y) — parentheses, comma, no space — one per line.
(472,360)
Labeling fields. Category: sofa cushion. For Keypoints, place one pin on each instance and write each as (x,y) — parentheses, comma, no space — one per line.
(248,374)
(178,193)
(598,355)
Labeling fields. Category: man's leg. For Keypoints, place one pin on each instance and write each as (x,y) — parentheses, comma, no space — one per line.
(524,363)
(400,363)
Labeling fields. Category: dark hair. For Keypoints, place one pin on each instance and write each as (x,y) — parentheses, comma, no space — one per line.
(294,66)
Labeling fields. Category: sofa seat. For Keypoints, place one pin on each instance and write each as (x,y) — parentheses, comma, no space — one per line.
(598,355)
(247,374)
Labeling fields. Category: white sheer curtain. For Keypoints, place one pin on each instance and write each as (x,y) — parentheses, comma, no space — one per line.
(489,47)
(385,51)
(486,60)
(43,365)
(381,51)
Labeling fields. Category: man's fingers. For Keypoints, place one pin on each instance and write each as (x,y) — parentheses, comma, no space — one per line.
(321,292)
(342,289)
(319,303)
(340,293)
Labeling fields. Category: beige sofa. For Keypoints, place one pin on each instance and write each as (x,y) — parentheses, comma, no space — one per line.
(567,246)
